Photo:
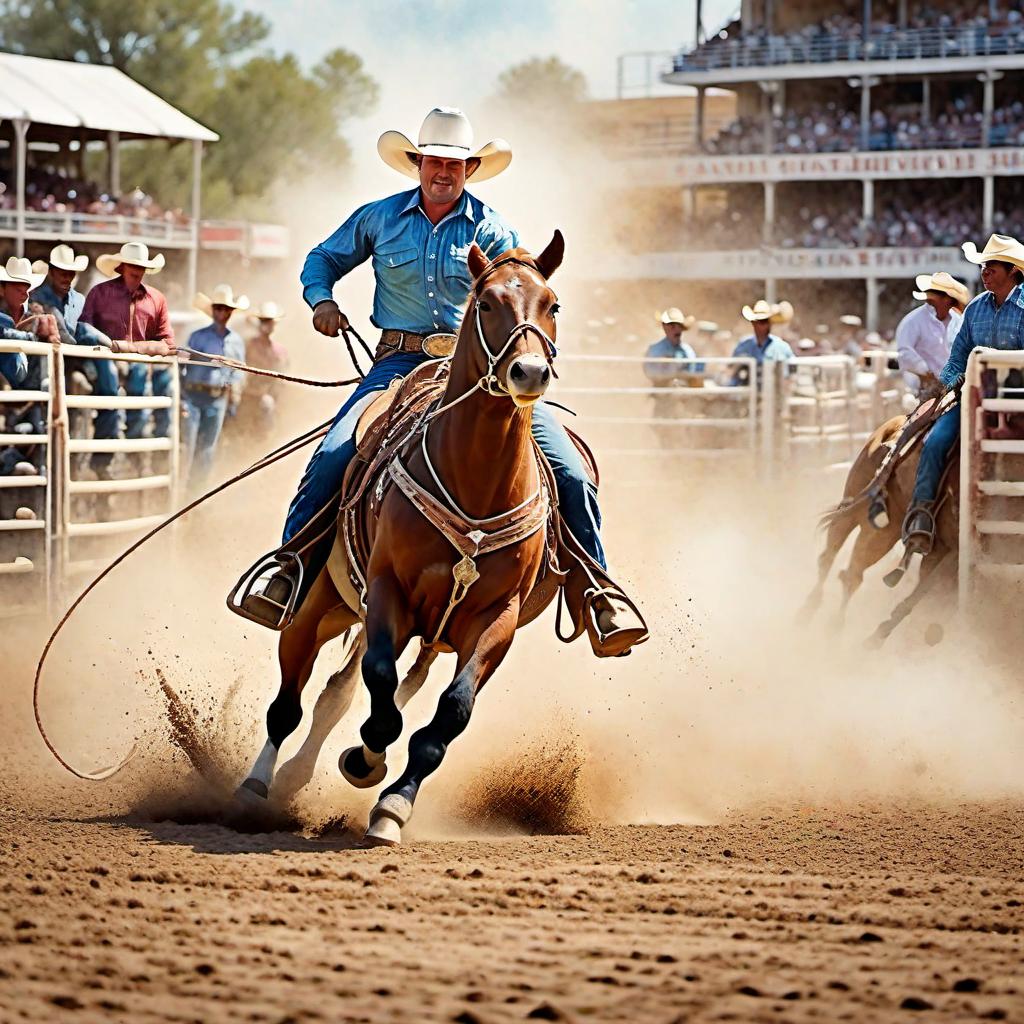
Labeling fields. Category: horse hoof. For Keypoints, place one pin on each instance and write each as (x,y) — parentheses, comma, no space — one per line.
(252,793)
(386,821)
(356,772)
(892,579)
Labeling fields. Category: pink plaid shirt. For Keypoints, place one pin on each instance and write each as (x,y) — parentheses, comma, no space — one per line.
(110,308)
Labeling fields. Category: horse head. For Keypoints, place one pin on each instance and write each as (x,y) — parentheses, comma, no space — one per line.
(512,315)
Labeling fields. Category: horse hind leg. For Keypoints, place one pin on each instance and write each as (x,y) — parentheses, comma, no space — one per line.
(870,547)
(320,619)
(926,582)
(835,538)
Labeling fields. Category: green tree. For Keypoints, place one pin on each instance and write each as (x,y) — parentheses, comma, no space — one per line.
(541,84)
(210,60)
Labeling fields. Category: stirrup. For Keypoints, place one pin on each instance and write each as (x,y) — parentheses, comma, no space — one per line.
(921,539)
(619,642)
(258,607)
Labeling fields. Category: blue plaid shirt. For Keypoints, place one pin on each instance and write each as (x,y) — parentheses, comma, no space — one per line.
(70,309)
(986,326)
(420,268)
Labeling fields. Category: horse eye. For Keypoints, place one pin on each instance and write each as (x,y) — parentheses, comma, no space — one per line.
(484,307)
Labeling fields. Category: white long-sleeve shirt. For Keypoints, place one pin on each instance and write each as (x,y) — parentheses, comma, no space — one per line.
(923,342)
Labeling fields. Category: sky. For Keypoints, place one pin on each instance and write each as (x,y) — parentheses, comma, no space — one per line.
(427,53)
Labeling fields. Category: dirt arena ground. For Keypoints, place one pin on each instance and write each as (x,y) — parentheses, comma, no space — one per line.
(752,818)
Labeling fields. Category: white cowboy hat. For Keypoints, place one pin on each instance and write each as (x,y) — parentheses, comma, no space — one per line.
(674,315)
(707,326)
(445,132)
(851,320)
(134,253)
(222,295)
(998,247)
(267,311)
(773,312)
(63,258)
(941,282)
(19,270)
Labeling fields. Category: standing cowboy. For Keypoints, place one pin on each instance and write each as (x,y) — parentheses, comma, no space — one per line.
(762,345)
(993,319)
(58,295)
(125,309)
(924,337)
(210,391)
(418,241)
(671,346)
(259,400)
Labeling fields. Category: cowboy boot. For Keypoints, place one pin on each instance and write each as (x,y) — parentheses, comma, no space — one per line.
(919,527)
(615,626)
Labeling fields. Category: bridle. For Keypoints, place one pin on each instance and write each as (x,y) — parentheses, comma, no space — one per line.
(489,381)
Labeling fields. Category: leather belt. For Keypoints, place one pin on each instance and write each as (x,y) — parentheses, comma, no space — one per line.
(437,346)
(214,390)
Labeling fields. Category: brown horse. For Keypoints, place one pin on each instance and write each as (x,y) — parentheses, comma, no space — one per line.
(476,459)
(872,545)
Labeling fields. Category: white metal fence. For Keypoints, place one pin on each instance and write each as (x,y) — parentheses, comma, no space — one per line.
(68,537)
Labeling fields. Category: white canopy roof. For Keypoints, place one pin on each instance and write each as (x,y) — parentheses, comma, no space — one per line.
(75,95)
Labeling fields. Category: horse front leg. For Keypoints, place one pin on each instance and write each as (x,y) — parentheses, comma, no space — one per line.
(320,619)
(479,656)
(388,628)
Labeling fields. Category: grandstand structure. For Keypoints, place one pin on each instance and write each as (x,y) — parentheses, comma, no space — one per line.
(51,113)
(871,137)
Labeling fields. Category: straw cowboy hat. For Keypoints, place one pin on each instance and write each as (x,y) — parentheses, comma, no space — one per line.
(267,311)
(18,270)
(850,320)
(445,132)
(222,295)
(63,258)
(773,312)
(134,253)
(941,282)
(674,315)
(998,247)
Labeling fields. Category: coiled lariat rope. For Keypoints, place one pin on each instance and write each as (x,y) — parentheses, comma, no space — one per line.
(263,462)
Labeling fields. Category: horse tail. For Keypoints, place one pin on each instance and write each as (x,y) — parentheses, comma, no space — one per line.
(845,508)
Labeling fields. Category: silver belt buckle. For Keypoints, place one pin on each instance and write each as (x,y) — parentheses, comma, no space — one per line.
(439,346)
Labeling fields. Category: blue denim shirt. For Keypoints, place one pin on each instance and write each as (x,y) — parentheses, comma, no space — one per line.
(662,373)
(15,365)
(775,349)
(420,268)
(985,326)
(209,339)
(70,309)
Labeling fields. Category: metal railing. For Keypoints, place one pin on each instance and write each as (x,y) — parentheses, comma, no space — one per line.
(97,227)
(754,49)
(63,531)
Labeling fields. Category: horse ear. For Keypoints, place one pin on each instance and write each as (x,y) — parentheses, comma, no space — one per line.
(476,261)
(551,258)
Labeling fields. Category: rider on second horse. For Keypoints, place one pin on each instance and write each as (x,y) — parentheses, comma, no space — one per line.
(418,241)
(993,319)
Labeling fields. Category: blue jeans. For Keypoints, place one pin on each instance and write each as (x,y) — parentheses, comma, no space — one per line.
(135,420)
(934,453)
(322,480)
(200,432)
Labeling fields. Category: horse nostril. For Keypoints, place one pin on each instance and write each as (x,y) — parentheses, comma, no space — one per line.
(545,375)
(517,373)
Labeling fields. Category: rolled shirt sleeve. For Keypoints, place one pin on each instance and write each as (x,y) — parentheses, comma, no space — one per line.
(332,259)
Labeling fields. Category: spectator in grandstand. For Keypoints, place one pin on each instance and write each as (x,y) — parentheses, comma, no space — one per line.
(126,309)
(671,346)
(762,345)
(924,337)
(210,391)
(17,324)
(259,399)
(993,319)
(58,295)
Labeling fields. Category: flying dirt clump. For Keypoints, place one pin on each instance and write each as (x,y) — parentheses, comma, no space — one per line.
(537,791)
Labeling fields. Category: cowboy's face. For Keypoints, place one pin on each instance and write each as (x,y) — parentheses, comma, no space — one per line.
(762,328)
(61,280)
(221,314)
(443,180)
(132,275)
(674,333)
(941,303)
(15,295)
(265,326)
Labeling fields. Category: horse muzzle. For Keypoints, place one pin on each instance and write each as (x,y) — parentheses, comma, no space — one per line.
(527,379)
